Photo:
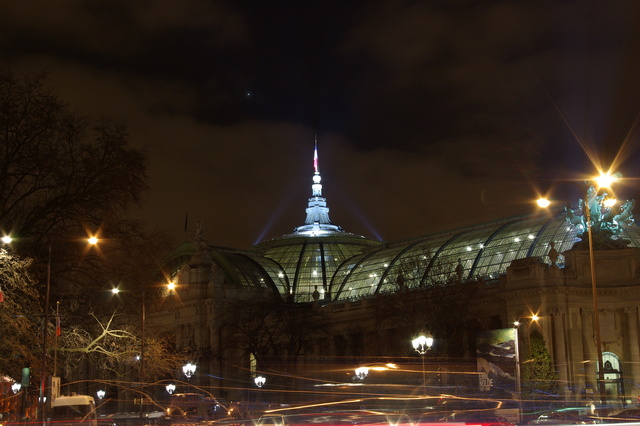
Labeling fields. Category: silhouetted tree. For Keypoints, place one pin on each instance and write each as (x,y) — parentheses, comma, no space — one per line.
(540,378)
(439,304)
(64,177)
(277,333)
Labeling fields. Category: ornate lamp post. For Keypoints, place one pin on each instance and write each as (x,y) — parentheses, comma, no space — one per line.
(590,193)
(361,373)
(422,344)
(259,381)
(516,326)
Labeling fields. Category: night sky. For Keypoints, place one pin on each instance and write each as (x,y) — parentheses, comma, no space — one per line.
(429,114)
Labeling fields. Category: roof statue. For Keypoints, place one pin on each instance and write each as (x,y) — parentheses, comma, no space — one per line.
(607,222)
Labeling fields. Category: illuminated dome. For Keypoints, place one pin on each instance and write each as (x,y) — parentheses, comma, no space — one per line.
(310,255)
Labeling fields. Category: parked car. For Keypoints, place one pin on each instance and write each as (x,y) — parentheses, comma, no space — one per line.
(479,419)
(342,418)
(562,418)
(624,416)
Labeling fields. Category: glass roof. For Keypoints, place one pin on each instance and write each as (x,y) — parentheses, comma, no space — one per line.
(483,252)
(478,252)
(309,263)
(344,266)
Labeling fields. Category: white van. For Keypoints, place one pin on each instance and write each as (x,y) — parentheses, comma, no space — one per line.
(73,410)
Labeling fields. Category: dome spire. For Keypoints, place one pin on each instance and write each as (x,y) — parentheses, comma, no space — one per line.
(316,188)
(317,221)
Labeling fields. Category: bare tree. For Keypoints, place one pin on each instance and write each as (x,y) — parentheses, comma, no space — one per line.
(60,171)
(112,346)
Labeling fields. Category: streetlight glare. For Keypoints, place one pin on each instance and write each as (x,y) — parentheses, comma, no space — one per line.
(189,369)
(171,286)
(115,290)
(93,240)
(362,372)
(605,180)
(7,239)
(543,202)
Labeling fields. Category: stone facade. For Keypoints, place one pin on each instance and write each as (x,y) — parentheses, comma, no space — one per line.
(562,299)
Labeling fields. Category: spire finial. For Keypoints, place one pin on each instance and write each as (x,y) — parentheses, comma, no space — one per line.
(315,156)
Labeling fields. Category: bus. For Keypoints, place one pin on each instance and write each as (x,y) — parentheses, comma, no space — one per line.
(74,410)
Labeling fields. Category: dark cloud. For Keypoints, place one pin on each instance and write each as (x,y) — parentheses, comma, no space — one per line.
(428,114)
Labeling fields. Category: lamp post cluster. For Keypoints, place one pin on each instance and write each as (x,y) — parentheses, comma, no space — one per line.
(189,370)
(422,344)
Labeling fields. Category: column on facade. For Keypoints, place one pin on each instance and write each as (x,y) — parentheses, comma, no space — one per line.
(632,358)
(589,351)
(560,347)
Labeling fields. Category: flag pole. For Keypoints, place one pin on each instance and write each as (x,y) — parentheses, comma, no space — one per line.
(55,345)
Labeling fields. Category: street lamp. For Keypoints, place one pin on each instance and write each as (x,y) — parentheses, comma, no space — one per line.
(516,326)
(100,394)
(361,372)
(16,387)
(43,375)
(170,388)
(260,381)
(116,290)
(189,369)
(422,344)
(603,181)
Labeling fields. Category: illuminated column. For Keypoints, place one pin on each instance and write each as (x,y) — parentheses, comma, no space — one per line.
(634,349)
(559,346)
(590,368)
